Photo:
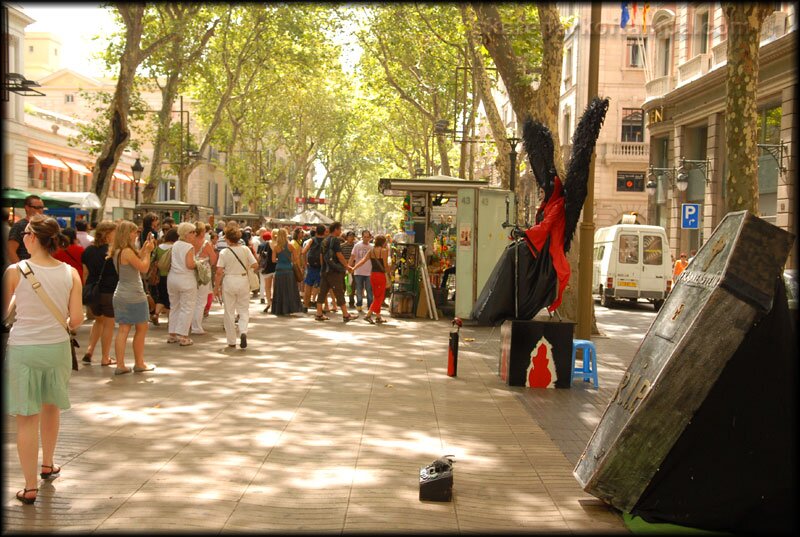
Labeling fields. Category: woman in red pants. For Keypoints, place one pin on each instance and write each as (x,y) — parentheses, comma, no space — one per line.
(379,257)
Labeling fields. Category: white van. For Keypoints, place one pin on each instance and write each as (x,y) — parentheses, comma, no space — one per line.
(631,261)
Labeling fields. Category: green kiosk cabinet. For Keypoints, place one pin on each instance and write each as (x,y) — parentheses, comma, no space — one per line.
(480,241)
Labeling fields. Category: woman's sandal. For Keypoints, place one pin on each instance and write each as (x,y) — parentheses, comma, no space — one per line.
(321,318)
(55,471)
(112,361)
(185,342)
(369,319)
(87,358)
(381,320)
(24,499)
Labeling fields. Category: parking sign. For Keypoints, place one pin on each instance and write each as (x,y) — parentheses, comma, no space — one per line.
(690,216)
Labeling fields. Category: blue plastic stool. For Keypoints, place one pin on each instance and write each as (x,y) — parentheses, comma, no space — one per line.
(588,369)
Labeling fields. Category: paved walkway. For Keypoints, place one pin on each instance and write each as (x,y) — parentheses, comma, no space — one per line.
(314,427)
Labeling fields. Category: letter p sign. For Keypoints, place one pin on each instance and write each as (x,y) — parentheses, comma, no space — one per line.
(690,216)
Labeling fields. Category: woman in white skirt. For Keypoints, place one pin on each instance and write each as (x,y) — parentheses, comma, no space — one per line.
(38,358)
(182,285)
(232,284)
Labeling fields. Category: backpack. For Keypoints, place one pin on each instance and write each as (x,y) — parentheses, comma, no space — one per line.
(265,258)
(313,252)
(165,262)
(331,260)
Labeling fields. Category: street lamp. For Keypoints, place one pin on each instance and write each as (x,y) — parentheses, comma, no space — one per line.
(137,170)
(513,140)
(682,180)
(236,195)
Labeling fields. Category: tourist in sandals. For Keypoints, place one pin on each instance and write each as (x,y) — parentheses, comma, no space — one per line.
(98,269)
(182,285)
(130,300)
(379,277)
(38,360)
(233,286)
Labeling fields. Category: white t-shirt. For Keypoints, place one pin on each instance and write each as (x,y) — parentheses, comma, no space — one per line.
(227,260)
(360,250)
(178,262)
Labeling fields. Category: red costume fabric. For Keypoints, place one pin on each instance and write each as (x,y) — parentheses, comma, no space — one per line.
(552,226)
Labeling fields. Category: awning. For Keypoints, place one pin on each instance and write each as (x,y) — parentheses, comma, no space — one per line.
(121,176)
(437,183)
(49,160)
(83,200)
(77,166)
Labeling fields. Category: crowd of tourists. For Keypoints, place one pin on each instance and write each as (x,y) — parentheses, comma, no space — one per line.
(127,276)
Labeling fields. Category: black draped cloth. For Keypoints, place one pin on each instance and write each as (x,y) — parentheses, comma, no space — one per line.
(537,285)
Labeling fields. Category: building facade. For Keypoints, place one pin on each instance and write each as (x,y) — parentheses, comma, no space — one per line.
(622,149)
(685,108)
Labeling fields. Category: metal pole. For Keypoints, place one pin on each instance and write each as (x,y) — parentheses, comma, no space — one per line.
(180,160)
(583,328)
(512,184)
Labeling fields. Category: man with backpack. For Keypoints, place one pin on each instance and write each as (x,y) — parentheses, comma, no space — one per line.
(334,266)
(312,250)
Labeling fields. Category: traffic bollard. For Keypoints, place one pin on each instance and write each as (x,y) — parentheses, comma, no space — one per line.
(452,351)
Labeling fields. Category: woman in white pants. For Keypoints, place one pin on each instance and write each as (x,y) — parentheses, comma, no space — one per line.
(205,254)
(182,285)
(232,284)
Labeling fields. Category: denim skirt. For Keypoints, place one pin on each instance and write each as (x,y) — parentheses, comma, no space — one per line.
(131,312)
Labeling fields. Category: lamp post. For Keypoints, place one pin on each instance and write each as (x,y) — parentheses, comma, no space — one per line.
(137,170)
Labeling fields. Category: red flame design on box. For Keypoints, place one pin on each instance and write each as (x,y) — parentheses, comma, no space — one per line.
(542,370)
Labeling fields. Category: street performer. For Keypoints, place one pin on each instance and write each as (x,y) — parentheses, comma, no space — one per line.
(536,259)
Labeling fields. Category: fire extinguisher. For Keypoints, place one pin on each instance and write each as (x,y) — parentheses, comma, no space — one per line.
(452,351)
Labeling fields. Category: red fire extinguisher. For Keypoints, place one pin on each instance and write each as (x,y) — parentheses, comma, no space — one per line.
(452,351)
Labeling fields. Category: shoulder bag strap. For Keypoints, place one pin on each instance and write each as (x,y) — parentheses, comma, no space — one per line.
(237,258)
(28,274)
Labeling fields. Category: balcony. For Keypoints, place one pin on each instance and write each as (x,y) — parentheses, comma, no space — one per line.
(658,87)
(720,53)
(774,26)
(625,152)
(694,68)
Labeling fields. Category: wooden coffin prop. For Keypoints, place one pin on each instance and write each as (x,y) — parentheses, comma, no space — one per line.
(536,354)
(700,430)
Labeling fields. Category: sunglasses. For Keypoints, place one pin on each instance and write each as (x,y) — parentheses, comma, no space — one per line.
(37,207)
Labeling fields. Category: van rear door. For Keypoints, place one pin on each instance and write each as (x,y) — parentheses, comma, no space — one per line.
(629,265)
(653,280)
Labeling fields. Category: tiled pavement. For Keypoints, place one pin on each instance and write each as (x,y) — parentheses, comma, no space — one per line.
(319,428)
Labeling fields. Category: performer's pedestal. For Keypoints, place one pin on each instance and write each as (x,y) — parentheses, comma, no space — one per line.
(536,354)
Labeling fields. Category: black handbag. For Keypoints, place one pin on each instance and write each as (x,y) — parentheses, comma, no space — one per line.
(91,291)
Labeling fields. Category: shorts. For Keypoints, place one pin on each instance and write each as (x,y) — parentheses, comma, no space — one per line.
(131,312)
(331,280)
(313,276)
(104,306)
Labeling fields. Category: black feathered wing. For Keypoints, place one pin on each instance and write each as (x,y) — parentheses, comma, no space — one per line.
(538,143)
(576,184)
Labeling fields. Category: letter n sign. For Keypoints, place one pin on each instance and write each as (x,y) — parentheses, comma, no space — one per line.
(690,216)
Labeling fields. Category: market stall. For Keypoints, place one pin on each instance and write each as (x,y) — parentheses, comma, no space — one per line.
(441,217)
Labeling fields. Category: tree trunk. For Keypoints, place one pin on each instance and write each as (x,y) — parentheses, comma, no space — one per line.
(484,87)
(168,94)
(119,133)
(741,117)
